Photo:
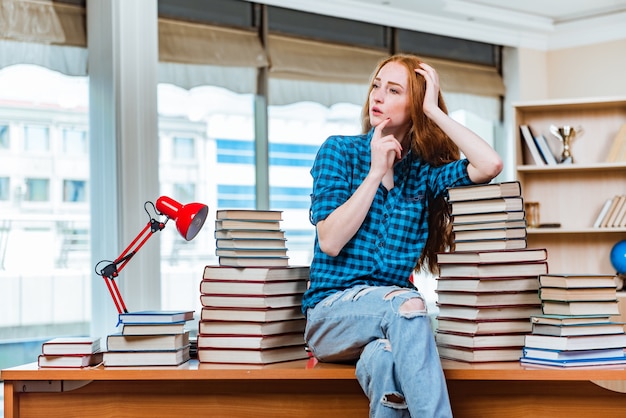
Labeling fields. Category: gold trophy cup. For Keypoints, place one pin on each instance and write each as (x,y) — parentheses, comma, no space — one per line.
(565,134)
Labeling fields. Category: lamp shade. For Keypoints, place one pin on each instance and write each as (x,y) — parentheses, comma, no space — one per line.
(189,218)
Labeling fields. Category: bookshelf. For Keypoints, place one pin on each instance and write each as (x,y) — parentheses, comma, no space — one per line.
(573,194)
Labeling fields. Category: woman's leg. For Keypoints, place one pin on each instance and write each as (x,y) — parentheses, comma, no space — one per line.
(341,326)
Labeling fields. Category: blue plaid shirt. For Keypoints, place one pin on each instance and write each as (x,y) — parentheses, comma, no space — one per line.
(386,247)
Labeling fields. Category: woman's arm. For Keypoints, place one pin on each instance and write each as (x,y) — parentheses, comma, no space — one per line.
(484,161)
(340,226)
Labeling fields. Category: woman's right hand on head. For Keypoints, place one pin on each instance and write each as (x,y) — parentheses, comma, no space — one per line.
(385,150)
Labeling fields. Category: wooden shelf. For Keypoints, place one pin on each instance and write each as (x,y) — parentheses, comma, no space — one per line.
(573,194)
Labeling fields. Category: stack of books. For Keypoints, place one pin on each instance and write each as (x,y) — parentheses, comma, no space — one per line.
(70,352)
(487,287)
(576,327)
(252,315)
(150,338)
(488,217)
(247,238)
(485,300)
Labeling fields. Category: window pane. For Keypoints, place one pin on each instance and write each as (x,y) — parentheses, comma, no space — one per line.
(183,148)
(37,190)
(74,191)
(4,136)
(52,296)
(36,139)
(74,141)
(4,188)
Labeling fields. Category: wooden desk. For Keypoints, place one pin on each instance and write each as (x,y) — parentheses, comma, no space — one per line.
(300,389)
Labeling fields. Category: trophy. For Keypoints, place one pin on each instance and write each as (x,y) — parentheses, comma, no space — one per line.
(565,134)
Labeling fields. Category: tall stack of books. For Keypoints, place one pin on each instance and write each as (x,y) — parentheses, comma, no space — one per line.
(487,288)
(252,315)
(70,352)
(576,327)
(150,338)
(246,238)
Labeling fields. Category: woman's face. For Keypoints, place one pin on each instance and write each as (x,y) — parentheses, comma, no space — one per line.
(389,99)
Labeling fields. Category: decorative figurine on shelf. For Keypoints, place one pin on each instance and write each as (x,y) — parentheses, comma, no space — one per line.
(565,134)
(618,260)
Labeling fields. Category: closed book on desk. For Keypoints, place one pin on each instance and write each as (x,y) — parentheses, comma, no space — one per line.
(221,224)
(584,342)
(249,243)
(573,363)
(494,312)
(502,216)
(249,234)
(250,341)
(249,214)
(577,281)
(499,204)
(264,314)
(479,355)
(564,355)
(580,308)
(251,252)
(240,287)
(480,341)
(251,328)
(119,342)
(485,191)
(69,360)
(493,269)
(495,326)
(270,261)
(489,225)
(155,317)
(146,358)
(251,301)
(490,284)
(484,233)
(488,298)
(71,345)
(240,356)
(578,294)
(490,244)
(153,329)
(257,274)
(571,330)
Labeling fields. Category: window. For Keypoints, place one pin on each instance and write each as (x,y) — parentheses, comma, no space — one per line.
(74,191)
(37,190)
(4,136)
(4,188)
(36,139)
(75,141)
(184,193)
(183,148)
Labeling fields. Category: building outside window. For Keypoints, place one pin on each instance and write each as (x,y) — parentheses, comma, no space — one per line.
(75,142)
(4,136)
(36,139)
(74,191)
(37,190)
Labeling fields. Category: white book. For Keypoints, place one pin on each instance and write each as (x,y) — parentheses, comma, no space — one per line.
(527,136)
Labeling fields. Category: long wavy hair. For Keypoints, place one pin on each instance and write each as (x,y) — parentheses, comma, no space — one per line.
(430,144)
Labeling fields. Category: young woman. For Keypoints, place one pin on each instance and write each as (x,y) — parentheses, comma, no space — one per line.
(379,208)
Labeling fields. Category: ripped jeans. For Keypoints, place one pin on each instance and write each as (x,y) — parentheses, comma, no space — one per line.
(398,365)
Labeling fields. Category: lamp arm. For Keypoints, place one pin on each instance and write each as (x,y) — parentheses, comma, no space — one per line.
(112,270)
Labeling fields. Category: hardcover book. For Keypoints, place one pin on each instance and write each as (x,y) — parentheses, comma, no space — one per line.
(250,314)
(230,287)
(241,356)
(482,341)
(155,317)
(251,301)
(154,329)
(251,328)
(488,299)
(472,226)
(254,261)
(250,243)
(71,345)
(251,252)
(562,355)
(120,342)
(146,358)
(483,313)
(485,191)
(234,341)
(495,326)
(485,233)
(490,244)
(248,234)
(495,256)
(479,355)
(249,214)
(499,204)
(260,274)
(580,308)
(473,218)
(578,294)
(527,269)
(221,224)
(571,330)
(577,281)
(583,342)
(70,360)
(490,284)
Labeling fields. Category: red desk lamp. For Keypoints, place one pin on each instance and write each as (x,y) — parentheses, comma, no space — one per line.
(189,220)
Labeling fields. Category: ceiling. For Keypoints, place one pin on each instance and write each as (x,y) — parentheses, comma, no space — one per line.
(536,24)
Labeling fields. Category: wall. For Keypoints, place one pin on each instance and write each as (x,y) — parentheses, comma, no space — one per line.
(588,71)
